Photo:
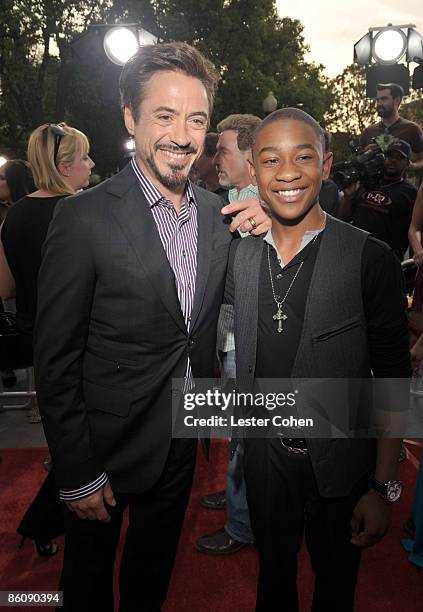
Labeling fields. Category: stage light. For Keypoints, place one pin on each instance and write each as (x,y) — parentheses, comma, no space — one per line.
(3,160)
(363,50)
(381,50)
(389,45)
(120,44)
(414,46)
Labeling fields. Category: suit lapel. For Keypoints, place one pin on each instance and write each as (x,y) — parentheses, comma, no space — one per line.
(204,251)
(133,214)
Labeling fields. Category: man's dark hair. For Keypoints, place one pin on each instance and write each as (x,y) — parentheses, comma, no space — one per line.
(210,143)
(395,89)
(296,114)
(244,125)
(177,57)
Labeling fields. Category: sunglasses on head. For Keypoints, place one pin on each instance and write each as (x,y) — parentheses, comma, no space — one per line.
(58,133)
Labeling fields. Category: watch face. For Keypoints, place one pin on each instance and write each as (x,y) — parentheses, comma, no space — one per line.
(393,491)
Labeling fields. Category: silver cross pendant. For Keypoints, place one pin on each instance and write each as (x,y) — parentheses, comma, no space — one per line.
(279,317)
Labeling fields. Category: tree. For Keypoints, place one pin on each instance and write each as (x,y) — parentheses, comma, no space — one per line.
(255,50)
(35,55)
(42,80)
(352,111)
(412,107)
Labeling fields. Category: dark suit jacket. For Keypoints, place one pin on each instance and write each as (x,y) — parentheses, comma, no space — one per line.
(110,334)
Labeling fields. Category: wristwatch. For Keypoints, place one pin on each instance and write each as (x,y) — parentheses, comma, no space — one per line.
(390,491)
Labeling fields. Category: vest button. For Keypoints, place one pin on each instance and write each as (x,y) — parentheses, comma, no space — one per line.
(250,368)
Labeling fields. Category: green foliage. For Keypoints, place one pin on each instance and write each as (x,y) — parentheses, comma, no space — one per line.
(253,48)
(412,107)
(255,51)
(352,111)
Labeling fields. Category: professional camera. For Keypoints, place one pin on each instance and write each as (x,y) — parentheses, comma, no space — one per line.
(366,167)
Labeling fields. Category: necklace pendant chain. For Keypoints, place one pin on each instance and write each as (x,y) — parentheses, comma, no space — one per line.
(280,316)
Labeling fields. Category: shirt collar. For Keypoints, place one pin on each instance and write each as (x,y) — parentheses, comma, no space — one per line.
(153,195)
(385,127)
(250,191)
(305,241)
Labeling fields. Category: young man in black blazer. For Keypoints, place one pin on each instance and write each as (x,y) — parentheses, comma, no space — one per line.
(322,300)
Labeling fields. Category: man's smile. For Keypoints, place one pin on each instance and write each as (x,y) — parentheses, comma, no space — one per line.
(176,156)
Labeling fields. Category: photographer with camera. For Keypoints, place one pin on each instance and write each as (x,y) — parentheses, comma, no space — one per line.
(393,126)
(382,201)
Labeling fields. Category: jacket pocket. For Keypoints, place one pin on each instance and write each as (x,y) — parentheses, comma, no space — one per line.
(112,356)
(99,398)
(337,329)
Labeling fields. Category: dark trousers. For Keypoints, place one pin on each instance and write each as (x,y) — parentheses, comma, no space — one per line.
(155,523)
(284,504)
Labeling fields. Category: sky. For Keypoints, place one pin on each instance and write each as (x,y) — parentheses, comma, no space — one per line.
(331,27)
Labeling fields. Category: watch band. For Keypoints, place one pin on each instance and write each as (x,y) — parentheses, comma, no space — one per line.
(376,485)
(390,491)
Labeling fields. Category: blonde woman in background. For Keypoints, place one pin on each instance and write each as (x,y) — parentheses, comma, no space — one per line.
(58,155)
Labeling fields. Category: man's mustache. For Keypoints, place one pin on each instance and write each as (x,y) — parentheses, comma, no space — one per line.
(176,149)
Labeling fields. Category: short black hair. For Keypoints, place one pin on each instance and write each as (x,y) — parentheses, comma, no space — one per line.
(296,114)
(395,89)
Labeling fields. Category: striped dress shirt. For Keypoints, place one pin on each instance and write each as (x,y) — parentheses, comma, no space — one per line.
(178,235)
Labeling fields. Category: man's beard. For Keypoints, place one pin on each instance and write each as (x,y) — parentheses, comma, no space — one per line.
(176,178)
(384,112)
(226,183)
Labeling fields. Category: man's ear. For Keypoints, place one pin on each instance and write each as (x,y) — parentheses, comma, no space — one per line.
(327,164)
(252,170)
(129,120)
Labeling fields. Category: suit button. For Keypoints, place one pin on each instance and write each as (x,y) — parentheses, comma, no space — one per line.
(191,342)
(250,368)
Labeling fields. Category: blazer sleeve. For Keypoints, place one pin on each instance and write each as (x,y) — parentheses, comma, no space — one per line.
(66,287)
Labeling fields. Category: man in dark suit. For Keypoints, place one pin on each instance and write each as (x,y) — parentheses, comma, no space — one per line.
(129,294)
(321,300)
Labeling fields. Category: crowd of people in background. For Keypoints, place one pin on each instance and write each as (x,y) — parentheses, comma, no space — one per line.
(209,249)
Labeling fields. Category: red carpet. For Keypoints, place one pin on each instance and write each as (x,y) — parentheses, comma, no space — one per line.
(388,583)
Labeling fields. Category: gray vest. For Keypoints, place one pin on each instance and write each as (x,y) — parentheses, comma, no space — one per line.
(333,344)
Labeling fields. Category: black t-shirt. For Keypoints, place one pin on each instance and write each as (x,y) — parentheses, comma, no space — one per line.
(23,234)
(386,213)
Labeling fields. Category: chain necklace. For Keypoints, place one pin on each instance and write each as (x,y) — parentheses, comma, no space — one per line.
(280,316)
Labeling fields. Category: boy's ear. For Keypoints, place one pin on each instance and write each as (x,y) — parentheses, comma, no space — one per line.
(252,170)
(327,164)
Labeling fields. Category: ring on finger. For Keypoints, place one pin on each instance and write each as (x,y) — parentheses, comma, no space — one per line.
(253,223)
